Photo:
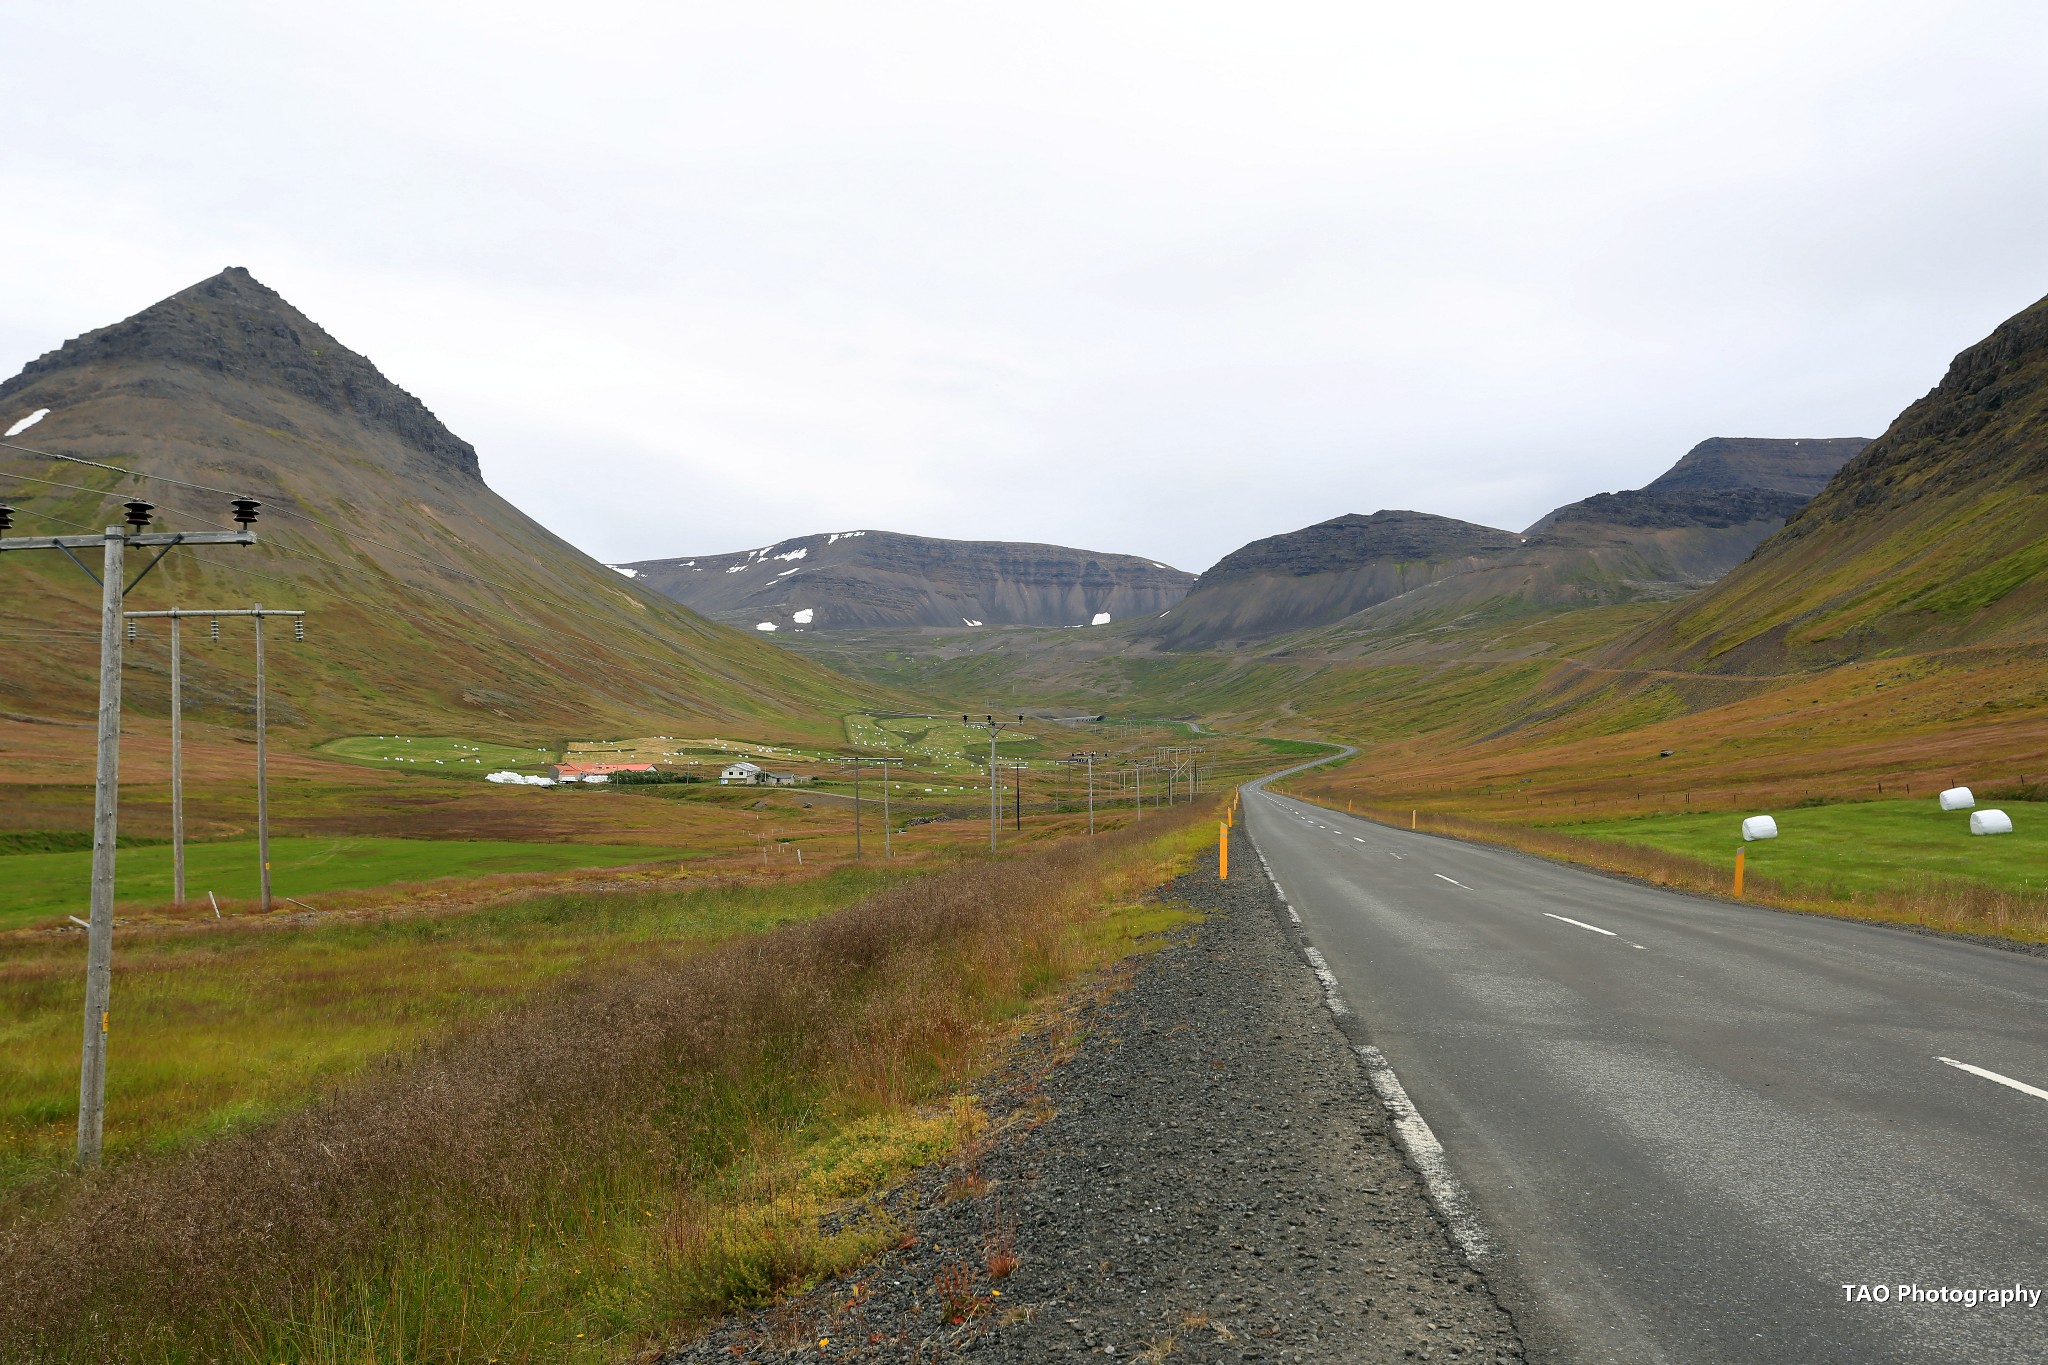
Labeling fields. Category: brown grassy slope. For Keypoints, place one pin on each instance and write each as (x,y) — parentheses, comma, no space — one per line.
(1935,536)
(435,603)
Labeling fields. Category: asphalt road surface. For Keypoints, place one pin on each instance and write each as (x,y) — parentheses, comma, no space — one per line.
(1685,1125)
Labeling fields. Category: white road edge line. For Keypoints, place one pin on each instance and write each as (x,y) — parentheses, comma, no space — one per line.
(1332,997)
(1582,924)
(2020,1086)
(1462,887)
(1427,1153)
(1410,1129)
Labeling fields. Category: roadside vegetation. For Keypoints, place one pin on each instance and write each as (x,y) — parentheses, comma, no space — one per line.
(1892,886)
(639,1134)
(222,1027)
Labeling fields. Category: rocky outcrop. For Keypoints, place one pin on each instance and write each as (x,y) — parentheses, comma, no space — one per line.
(847,579)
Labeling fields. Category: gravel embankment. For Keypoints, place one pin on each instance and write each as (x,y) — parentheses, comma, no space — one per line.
(1188,1164)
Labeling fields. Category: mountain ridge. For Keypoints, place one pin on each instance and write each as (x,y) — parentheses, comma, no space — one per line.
(1387,571)
(869,578)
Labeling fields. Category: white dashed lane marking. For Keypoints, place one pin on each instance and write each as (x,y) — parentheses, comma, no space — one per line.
(1594,927)
(1462,887)
(2020,1086)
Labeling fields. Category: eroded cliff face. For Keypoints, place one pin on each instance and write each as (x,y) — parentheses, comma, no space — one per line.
(847,579)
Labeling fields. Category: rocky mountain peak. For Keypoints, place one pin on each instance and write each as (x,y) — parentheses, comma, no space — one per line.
(235,327)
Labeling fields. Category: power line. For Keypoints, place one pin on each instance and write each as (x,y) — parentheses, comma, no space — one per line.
(276,508)
(471,609)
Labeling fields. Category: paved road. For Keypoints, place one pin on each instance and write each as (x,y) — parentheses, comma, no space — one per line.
(1685,1124)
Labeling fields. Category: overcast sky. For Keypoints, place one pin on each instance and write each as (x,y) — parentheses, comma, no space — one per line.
(1155,278)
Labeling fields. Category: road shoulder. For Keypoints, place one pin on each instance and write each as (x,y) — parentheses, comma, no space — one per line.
(1189,1162)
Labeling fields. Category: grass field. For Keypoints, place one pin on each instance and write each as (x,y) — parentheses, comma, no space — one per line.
(219,1028)
(38,886)
(1866,846)
(938,744)
(577,1176)
(436,751)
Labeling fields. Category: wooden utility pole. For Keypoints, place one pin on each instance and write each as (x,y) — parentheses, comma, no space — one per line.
(1087,758)
(888,850)
(258,612)
(177,773)
(262,768)
(995,777)
(99,951)
(114,586)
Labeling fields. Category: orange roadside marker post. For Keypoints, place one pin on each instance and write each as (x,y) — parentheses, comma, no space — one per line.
(1738,874)
(1223,852)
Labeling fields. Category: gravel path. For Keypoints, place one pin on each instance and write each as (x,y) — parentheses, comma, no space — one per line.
(1189,1164)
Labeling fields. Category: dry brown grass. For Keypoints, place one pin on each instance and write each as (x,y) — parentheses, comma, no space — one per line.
(624,1089)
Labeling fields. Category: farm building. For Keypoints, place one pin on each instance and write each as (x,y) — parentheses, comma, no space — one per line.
(744,774)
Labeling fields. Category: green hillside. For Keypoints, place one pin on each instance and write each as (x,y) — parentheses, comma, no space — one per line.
(1936,536)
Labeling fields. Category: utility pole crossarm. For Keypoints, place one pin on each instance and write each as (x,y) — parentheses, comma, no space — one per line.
(147,540)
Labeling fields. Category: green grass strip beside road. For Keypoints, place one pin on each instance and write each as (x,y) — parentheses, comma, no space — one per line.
(1866,846)
(36,887)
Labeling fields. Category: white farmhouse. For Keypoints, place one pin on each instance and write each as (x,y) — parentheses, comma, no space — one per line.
(743,774)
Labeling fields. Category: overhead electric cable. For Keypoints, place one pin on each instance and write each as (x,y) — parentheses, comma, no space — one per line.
(716,672)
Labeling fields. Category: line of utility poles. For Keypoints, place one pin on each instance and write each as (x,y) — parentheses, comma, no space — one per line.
(995,728)
(1177,753)
(1088,757)
(855,761)
(888,850)
(115,585)
(258,612)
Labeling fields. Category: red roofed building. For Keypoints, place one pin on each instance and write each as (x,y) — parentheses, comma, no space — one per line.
(576,772)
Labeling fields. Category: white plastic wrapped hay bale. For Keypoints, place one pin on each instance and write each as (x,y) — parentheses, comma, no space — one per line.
(1957,798)
(1990,822)
(1759,827)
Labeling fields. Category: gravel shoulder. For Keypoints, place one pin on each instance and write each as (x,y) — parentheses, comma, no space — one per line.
(1185,1162)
